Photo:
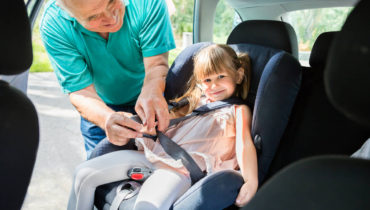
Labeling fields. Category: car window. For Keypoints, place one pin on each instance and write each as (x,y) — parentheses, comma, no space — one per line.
(226,18)
(310,23)
(181,13)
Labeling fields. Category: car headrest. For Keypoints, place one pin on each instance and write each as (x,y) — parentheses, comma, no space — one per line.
(269,33)
(347,73)
(320,49)
(16,47)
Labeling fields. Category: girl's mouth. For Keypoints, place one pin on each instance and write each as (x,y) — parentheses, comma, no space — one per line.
(217,92)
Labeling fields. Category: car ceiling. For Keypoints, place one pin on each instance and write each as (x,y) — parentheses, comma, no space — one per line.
(273,9)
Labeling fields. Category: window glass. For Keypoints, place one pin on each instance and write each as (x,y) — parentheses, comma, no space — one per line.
(225,20)
(181,12)
(309,24)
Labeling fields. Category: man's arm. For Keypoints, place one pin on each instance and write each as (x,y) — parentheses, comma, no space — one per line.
(151,104)
(115,124)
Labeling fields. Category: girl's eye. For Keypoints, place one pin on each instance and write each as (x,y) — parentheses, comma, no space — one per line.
(221,76)
(207,80)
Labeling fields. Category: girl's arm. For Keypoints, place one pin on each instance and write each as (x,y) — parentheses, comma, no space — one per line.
(246,155)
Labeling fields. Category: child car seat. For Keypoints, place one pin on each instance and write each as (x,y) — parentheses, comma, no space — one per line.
(19,131)
(275,83)
(332,182)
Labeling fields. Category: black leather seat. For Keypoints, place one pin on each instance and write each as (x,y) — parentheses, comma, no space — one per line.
(19,131)
(332,182)
(316,127)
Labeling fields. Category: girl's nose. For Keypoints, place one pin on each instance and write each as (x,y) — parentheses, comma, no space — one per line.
(213,84)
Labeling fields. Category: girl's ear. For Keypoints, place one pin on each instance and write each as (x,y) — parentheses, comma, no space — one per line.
(240,76)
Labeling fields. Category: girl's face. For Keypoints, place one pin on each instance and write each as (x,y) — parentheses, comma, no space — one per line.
(220,86)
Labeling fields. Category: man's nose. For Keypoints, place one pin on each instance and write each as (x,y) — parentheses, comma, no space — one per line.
(109,17)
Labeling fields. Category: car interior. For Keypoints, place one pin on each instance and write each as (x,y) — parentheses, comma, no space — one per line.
(19,127)
(307,121)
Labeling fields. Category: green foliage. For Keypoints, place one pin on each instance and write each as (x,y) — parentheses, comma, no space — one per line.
(309,24)
(223,23)
(41,61)
(172,55)
(182,19)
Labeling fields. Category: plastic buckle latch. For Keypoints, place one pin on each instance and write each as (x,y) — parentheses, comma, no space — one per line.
(139,173)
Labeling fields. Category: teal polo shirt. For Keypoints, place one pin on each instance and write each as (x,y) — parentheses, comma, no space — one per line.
(115,66)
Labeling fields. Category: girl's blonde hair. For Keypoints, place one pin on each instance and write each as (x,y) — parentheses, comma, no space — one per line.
(215,59)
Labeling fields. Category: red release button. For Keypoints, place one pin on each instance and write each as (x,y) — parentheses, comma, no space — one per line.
(137,176)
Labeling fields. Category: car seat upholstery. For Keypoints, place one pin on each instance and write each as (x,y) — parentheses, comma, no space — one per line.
(316,126)
(19,131)
(332,182)
(275,81)
(269,33)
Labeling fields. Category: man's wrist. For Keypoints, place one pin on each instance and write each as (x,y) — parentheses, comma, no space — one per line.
(153,84)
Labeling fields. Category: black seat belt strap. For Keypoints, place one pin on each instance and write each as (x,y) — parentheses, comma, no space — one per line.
(177,152)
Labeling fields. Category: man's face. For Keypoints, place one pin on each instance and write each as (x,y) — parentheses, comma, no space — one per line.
(98,15)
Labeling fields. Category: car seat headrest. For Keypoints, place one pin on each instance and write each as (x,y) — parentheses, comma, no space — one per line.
(347,73)
(16,47)
(269,33)
(320,49)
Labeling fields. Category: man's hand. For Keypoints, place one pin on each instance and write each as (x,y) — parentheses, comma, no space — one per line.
(246,193)
(117,125)
(120,128)
(151,105)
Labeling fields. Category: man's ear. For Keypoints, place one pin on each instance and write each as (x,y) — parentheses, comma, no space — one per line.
(240,76)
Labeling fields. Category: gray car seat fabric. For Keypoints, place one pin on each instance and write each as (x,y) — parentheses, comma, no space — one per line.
(332,182)
(19,131)
(363,152)
(19,81)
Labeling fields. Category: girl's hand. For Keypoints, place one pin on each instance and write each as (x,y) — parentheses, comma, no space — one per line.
(246,193)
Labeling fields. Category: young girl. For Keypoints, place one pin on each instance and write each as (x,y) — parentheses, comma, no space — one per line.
(217,140)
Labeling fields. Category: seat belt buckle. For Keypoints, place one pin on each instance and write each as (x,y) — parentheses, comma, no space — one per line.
(139,173)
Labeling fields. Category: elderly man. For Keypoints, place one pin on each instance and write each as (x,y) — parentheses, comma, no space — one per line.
(109,55)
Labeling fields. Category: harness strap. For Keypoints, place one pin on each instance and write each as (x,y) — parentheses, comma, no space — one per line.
(206,108)
(176,151)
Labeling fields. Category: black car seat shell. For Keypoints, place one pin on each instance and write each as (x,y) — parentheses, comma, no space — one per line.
(316,127)
(19,131)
